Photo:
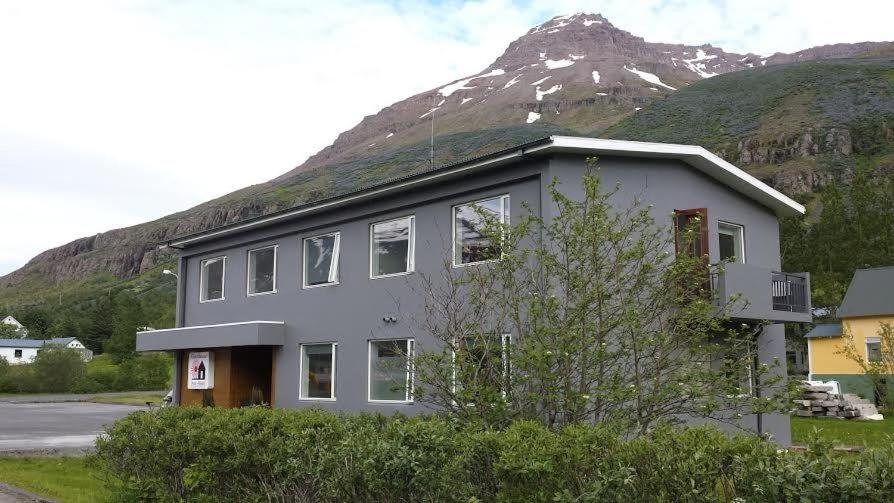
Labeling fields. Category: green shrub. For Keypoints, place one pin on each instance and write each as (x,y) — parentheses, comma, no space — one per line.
(58,369)
(260,454)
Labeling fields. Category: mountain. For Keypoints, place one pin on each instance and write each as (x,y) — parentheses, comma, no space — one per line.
(575,74)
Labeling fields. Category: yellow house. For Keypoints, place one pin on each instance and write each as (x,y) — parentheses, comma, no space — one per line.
(868,303)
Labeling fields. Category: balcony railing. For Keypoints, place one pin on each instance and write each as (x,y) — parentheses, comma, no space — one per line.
(789,292)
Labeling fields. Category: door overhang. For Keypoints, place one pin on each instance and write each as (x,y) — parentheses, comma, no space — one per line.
(245,333)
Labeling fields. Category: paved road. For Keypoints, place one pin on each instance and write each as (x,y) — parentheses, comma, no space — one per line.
(55,427)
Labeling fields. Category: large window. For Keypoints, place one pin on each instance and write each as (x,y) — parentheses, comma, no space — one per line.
(390,372)
(262,271)
(211,283)
(732,242)
(391,247)
(873,349)
(483,362)
(471,242)
(317,371)
(321,260)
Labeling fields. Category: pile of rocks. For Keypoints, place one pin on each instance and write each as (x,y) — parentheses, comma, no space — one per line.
(820,401)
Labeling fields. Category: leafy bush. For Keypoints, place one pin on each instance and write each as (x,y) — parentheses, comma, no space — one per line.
(146,372)
(258,454)
(58,369)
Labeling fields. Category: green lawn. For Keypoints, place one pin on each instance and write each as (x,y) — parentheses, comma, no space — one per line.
(843,432)
(65,479)
(135,398)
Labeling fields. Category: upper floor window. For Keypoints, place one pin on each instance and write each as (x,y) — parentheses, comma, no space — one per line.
(321,260)
(695,244)
(471,242)
(732,242)
(262,270)
(211,282)
(391,247)
(873,349)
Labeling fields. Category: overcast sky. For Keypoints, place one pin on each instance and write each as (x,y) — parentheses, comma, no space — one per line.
(114,113)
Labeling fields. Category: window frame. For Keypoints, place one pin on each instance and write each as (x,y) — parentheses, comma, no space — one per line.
(411,374)
(336,255)
(202,279)
(505,362)
(741,230)
(704,232)
(17,353)
(873,340)
(506,210)
(411,247)
(248,253)
(301,385)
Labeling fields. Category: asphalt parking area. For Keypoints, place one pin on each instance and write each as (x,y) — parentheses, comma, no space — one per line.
(48,427)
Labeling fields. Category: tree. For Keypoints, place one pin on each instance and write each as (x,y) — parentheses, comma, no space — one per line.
(587,316)
(101,323)
(37,322)
(877,363)
(58,369)
(128,318)
(8,331)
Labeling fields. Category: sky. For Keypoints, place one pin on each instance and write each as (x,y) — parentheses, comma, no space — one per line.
(113,113)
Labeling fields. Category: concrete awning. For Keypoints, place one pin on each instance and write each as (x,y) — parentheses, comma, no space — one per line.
(246,333)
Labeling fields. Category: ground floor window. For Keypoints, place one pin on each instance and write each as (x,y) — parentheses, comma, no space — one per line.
(17,353)
(390,372)
(317,371)
(873,349)
(482,361)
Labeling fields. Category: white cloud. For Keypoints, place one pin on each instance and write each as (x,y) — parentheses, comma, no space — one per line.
(118,112)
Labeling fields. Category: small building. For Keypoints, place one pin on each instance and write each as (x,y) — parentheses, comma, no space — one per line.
(867,304)
(17,351)
(9,320)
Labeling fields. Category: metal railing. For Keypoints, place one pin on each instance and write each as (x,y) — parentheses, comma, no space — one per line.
(789,292)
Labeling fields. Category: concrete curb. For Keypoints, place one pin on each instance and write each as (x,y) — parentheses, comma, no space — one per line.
(22,495)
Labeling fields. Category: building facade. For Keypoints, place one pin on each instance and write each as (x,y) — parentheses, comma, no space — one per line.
(307,306)
(867,305)
(17,351)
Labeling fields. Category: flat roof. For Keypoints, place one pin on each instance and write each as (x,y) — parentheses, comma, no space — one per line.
(697,157)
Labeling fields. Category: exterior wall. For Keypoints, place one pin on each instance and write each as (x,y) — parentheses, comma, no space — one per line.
(28,355)
(351,312)
(823,354)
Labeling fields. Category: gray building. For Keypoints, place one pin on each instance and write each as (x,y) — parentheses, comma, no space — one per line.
(300,306)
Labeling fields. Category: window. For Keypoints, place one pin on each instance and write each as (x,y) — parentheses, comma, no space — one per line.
(873,349)
(390,372)
(17,353)
(732,242)
(317,372)
(391,247)
(321,260)
(697,219)
(470,221)
(262,271)
(483,361)
(213,272)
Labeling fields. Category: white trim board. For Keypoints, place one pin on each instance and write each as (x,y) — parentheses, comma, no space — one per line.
(697,157)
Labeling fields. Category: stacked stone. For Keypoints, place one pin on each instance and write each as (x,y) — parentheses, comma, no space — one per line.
(819,401)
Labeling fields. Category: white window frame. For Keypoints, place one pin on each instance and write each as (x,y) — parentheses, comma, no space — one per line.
(505,363)
(301,387)
(411,374)
(248,291)
(223,280)
(504,219)
(336,254)
(411,247)
(874,340)
(738,228)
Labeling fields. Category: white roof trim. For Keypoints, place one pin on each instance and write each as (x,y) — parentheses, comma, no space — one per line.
(180,329)
(696,156)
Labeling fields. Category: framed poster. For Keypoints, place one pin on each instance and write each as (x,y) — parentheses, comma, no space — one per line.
(200,368)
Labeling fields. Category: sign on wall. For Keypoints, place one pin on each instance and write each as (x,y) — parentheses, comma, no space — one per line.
(201,370)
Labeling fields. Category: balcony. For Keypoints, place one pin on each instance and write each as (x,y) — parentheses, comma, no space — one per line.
(764,294)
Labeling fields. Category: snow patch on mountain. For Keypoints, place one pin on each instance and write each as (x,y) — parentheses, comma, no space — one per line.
(541,81)
(595,77)
(513,81)
(697,66)
(449,89)
(532,117)
(540,94)
(561,63)
(649,77)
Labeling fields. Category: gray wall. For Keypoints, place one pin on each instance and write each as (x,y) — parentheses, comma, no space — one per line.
(351,312)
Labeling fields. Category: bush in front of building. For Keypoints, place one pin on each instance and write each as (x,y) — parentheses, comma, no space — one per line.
(61,370)
(259,454)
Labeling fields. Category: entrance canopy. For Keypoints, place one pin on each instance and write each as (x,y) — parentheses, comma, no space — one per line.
(245,333)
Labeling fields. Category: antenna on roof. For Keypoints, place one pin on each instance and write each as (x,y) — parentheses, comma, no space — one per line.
(431,155)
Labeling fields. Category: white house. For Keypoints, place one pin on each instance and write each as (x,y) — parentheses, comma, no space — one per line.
(9,320)
(17,351)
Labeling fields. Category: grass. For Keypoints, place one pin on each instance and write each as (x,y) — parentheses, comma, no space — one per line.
(135,398)
(64,479)
(842,432)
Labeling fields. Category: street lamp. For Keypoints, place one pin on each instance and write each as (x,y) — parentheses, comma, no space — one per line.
(171,273)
